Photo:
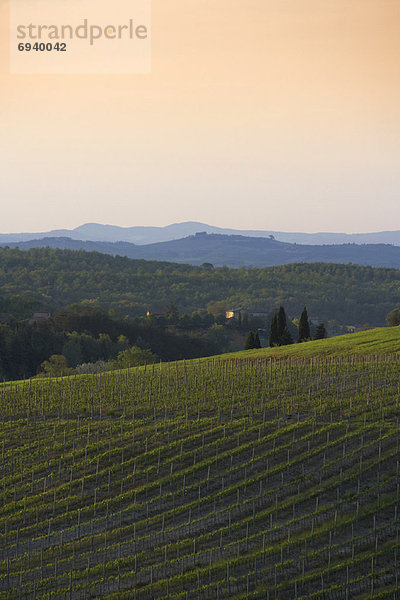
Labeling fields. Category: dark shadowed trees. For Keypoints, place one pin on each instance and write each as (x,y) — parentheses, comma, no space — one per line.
(304,327)
(393,318)
(279,334)
(286,338)
(250,340)
(320,333)
(273,332)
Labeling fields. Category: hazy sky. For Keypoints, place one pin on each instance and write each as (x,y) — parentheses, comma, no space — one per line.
(263,114)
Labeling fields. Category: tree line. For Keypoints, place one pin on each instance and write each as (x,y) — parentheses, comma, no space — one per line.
(280,335)
(84,334)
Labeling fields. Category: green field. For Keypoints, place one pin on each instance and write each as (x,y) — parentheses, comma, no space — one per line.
(270,474)
(374,341)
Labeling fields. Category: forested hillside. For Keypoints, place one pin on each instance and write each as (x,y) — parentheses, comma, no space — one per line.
(48,278)
(234,251)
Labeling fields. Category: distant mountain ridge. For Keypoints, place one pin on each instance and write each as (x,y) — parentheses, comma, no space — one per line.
(148,235)
(232,251)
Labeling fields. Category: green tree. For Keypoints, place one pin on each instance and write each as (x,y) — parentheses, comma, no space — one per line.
(304,327)
(217,308)
(273,332)
(279,333)
(218,336)
(281,321)
(250,341)
(72,349)
(286,338)
(208,320)
(56,366)
(196,321)
(257,343)
(185,322)
(172,313)
(220,319)
(134,357)
(123,343)
(320,333)
(207,266)
(105,345)
(393,318)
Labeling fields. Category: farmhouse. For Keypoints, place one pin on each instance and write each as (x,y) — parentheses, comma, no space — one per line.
(234,313)
(150,313)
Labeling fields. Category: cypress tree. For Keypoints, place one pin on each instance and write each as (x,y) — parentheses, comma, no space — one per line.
(281,321)
(286,338)
(320,333)
(304,327)
(279,333)
(249,344)
(273,332)
(257,343)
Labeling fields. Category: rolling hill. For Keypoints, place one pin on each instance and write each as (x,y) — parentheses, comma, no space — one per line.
(148,235)
(233,251)
(382,340)
(243,477)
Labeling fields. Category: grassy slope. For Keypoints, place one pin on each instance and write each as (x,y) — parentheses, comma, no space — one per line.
(240,479)
(379,341)
(382,340)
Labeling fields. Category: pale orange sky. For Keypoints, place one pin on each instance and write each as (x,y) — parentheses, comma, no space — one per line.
(264,114)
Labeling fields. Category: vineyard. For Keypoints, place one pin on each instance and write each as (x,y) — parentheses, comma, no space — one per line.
(258,477)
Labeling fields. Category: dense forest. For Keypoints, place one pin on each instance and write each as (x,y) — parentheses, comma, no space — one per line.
(50,279)
(84,336)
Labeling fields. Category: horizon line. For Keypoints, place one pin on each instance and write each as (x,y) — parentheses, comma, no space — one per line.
(226,227)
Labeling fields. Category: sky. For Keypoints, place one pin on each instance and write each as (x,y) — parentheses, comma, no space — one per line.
(259,114)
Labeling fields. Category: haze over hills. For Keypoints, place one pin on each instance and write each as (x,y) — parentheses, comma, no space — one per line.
(232,251)
(148,235)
